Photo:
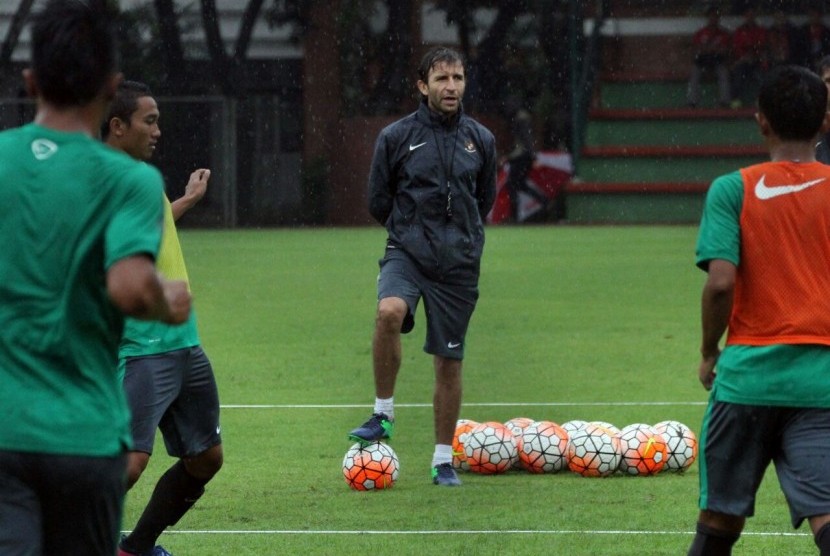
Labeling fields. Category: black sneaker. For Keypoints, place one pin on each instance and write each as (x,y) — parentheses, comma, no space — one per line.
(378,427)
(444,474)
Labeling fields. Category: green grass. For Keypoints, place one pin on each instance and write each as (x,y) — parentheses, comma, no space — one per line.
(572,323)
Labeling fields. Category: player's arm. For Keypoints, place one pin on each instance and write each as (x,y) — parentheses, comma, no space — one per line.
(486,186)
(381,189)
(193,192)
(715,309)
(138,291)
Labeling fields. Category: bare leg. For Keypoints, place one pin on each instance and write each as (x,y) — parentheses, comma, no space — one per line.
(446,401)
(386,344)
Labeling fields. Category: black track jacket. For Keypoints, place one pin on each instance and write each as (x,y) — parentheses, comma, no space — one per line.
(432,183)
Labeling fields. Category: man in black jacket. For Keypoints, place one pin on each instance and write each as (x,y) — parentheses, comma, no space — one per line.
(432,183)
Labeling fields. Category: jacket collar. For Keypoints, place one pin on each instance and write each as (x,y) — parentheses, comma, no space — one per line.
(435,119)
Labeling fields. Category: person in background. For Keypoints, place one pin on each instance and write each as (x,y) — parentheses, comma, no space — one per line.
(168,378)
(783,40)
(520,158)
(431,184)
(750,59)
(815,38)
(81,226)
(766,290)
(712,45)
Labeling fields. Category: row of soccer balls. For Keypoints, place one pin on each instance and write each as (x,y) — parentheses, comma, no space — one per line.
(592,449)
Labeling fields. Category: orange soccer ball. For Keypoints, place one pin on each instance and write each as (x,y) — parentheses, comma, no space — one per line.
(370,466)
(643,450)
(681,445)
(544,447)
(593,451)
(462,430)
(490,448)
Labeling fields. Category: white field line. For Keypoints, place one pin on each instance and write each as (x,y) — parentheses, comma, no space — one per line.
(467,532)
(482,404)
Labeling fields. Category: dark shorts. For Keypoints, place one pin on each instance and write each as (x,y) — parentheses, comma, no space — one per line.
(68,505)
(448,307)
(175,392)
(740,441)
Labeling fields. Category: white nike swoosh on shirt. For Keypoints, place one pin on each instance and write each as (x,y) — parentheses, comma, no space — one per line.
(764,192)
(413,147)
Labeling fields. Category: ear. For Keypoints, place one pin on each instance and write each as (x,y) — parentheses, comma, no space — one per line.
(118,127)
(423,87)
(30,83)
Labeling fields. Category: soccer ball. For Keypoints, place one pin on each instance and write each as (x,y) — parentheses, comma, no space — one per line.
(593,452)
(516,426)
(612,429)
(643,450)
(573,426)
(370,466)
(544,447)
(681,445)
(462,430)
(490,448)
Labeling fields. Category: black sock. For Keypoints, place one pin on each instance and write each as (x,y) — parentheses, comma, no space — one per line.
(712,542)
(822,538)
(175,493)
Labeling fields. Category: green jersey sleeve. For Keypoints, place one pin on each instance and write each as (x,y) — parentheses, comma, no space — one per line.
(136,225)
(719,236)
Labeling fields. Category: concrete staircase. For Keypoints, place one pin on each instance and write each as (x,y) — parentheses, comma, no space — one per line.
(649,160)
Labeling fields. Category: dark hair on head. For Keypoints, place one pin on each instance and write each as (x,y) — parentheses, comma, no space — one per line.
(438,55)
(73,50)
(794,101)
(125,103)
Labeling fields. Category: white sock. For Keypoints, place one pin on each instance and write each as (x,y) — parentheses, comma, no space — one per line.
(385,406)
(442,454)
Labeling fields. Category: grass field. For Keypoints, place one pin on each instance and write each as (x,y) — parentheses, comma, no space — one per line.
(572,323)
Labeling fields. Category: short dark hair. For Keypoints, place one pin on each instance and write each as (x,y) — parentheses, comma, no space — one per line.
(794,101)
(125,103)
(73,50)
(438,55)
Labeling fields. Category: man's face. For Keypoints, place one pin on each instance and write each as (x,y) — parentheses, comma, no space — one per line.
(141,135)
(444,87)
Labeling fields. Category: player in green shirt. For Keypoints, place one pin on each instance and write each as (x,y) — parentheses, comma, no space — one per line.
(168,379)
(81,225)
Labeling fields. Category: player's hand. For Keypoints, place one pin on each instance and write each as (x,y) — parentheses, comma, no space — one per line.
(197,185)
(706,371)
(178,298)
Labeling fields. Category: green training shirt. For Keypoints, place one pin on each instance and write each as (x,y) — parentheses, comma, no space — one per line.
(142,337)
(780,375)
(70,207)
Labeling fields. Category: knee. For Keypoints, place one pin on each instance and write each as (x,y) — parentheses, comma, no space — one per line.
(136,464)
(207,464)
(390,315)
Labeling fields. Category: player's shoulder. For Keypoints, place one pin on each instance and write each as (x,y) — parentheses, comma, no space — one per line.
(480,130)
(400,127)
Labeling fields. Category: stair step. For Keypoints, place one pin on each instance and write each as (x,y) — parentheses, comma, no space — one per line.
(623,114)
(641,187)
(674,151)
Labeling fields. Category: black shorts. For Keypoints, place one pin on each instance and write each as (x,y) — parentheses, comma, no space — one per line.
(54,504)
(738,442)
(176,392)
(448,307)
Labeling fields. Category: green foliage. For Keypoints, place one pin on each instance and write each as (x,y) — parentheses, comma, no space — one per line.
(572,323)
